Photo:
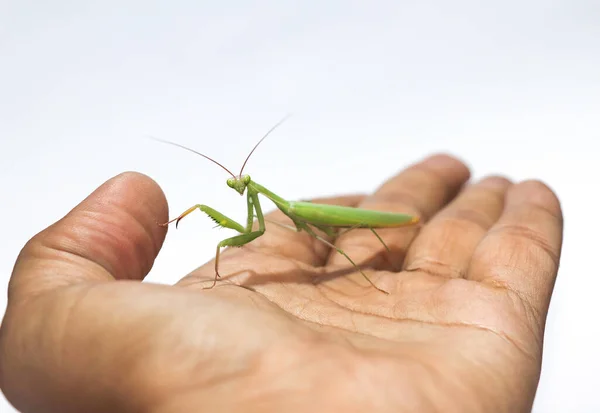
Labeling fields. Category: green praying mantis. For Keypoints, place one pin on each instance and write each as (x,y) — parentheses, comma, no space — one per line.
(304,215)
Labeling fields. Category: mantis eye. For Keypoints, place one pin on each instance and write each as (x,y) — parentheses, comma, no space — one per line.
(231,183)
(246,179)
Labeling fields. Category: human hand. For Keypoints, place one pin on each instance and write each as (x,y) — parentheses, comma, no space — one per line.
(460,331)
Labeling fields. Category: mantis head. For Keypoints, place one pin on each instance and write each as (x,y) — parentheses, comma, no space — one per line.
(239,184)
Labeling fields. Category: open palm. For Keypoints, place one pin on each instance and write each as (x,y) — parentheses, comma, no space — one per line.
(291,326)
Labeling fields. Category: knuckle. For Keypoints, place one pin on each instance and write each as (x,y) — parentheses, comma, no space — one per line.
(465,219)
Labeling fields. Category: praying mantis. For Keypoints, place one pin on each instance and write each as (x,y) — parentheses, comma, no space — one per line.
(304,215)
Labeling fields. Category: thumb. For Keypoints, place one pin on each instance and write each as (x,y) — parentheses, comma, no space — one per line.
(112,234)
(51,342)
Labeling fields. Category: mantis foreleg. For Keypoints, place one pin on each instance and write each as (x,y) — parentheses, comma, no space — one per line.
(215,215)
(247,235)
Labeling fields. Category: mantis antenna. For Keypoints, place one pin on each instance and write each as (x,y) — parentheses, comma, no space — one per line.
(193,151)
(286,117)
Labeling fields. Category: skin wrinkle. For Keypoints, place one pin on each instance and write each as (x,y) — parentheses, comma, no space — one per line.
(298,314)
(318,325)
(128,216)
(435,376)
(521,299)
(103,223)
(548,211)
(529,308)
(466,216)
(499,334)
(91,229)
(427,265)
(500,285)
(503,336)
(531,314)
(352,320)
(57,256)
(70,315)
(61,330)
(157,390)
(360,369)
(521,296)
(483,187)
(523,232)
(355,280)
(433,373)
(300,310)
(484,191)
(154,241)
(125,360)
(176,392)
(423,365)
(258,301)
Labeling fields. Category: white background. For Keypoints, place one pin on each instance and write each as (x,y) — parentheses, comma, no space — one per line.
(510,87)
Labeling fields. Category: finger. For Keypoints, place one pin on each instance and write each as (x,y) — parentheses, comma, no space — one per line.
(112,234)
(521,252)
(420,190)
(445,244)
(279,248)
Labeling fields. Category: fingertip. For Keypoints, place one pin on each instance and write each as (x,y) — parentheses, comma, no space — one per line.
(495,182)
(137,198)
(535,192)
(445,163)
(141,186)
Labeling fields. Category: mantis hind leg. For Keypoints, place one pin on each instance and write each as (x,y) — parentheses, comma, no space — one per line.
(380,240)
(338,249)
(387,256)
(370,229)
(308,230)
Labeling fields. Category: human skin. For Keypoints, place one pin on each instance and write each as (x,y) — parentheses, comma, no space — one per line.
(290,327)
